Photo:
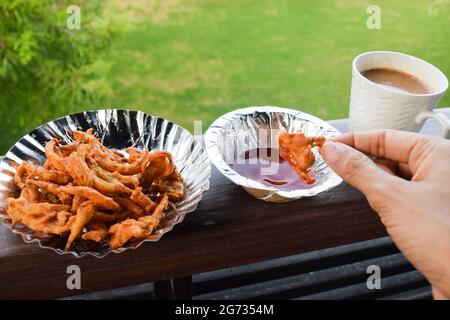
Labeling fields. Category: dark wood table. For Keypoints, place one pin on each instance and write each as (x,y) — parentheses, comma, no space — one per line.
(229,228)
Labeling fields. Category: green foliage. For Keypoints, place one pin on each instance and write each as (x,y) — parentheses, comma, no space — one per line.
(189,60)
(47,70)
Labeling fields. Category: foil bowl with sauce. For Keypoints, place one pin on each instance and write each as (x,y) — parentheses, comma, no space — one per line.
(242,144)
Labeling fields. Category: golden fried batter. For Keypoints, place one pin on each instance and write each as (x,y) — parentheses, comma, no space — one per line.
(54,160)
(31,193)
(134,210)
(83,216)
(96,197)
(28,171)
(77,201)
(97,232)
(142,200)
(85,190)
(137,229)
(65,198)
(124,231)
(134,154)
(108,217)
(159,166)
(173,186)
(83,175)
(131,181)
(42,217)
(296,148)
(114,166)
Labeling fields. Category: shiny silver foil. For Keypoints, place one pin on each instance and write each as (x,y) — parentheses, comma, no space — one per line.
(117,129)
(256,127)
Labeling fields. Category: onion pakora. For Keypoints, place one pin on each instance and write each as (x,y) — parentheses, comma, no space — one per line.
(296,149)
(87,191)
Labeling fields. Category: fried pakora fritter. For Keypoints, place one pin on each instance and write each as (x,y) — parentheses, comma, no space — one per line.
(86,191)
(296,149)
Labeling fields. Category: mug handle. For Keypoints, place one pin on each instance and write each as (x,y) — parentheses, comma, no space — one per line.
(439,117)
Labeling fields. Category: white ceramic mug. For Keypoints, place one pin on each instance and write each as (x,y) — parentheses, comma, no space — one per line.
(374,106)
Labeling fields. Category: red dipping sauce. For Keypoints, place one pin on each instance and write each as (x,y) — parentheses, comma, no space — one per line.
(265,165)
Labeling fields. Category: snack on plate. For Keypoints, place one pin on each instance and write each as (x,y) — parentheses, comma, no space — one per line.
(85,190)
(296,149)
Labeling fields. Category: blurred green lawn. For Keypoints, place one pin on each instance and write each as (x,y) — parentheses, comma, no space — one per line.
(189,60)
(196,59)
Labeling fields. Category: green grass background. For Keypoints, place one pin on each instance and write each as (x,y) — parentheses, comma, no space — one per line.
(189,60)
(195,60)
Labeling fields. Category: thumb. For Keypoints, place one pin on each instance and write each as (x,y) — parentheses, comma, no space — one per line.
(356,168)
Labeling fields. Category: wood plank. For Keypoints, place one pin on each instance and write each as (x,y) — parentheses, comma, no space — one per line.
(229,228)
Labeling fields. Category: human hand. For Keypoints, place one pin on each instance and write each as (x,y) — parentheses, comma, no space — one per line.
(408,185)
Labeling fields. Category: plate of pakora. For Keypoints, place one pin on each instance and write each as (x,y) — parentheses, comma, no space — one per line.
(101,181)
(272,152)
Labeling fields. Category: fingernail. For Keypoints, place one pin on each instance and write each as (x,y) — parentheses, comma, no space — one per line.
(332,152)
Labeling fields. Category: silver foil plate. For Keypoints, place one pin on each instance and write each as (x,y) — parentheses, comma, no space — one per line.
(256,127)
(117,129)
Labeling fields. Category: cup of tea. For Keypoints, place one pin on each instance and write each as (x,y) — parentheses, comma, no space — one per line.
(392,90)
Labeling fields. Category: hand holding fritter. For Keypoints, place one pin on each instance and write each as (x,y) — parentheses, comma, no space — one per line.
(296,149)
